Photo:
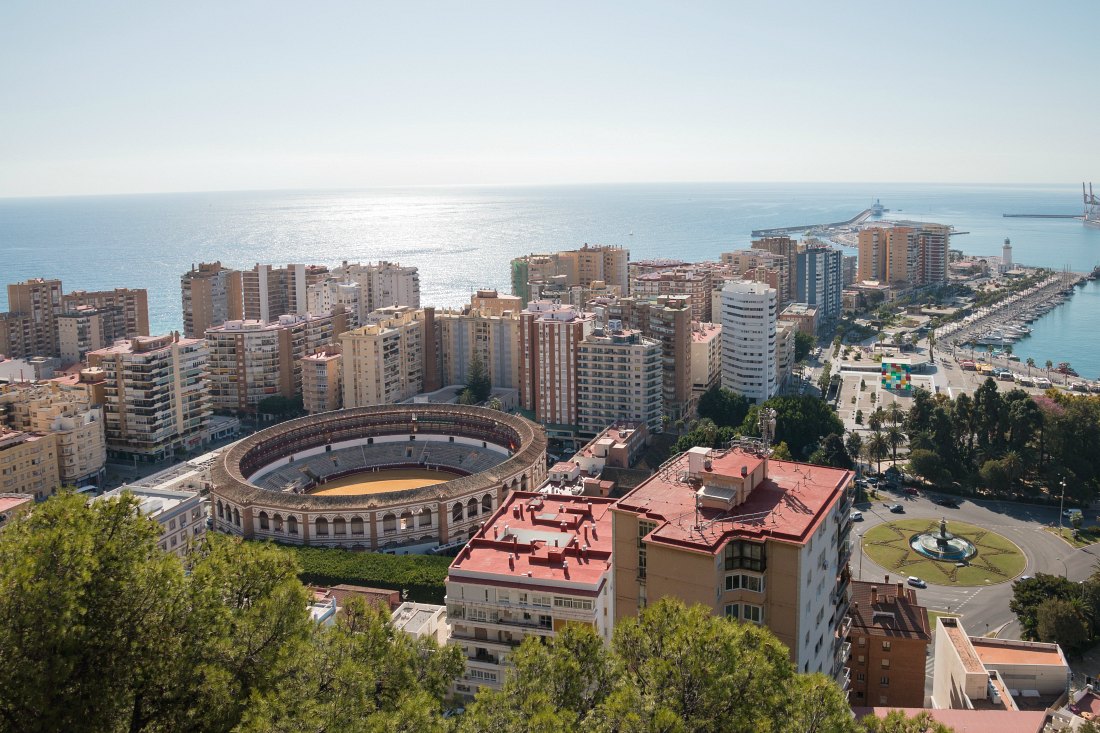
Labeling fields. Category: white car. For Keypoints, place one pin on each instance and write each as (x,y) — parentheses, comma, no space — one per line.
(857,516)
(917,582)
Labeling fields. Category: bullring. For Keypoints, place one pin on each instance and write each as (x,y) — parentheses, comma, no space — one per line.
(267,485)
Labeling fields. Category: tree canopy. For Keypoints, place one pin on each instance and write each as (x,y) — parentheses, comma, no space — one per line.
(1053,608)
(800,421)
(724,407)
(477,381)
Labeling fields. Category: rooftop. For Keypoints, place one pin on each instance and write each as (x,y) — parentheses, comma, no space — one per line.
(1006,651)
(787,504)
(153,502)
(893,613)
(10,501)
(703,332)
(532,538)
(1002,721)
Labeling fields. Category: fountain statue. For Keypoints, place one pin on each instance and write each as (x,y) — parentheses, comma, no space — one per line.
(943,545)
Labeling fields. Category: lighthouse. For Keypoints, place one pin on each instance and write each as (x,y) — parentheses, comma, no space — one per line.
(1006,256)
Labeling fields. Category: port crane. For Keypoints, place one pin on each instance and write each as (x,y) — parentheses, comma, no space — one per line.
(1092,204)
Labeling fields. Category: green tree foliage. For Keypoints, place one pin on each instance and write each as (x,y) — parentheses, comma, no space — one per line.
(422,576)
(704,434)
(876,448)
(1061,621)
(803,345)
(854,444)
(1028,596)
(724,407)
(800,422)
(102,631)
(673,668)
(280,406)
(896,721)
(926,464)
(477,380)
(832,452)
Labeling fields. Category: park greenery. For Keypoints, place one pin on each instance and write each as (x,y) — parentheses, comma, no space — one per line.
(100,630)
(998,559)
(804,425)
(803,344)
(478,384)
(1053,608)
(1009,444)
(421,577)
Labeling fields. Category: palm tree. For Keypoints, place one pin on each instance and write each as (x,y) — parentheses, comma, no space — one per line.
(876,420)
(876,448)
(1049,365)
(1030,363)
(895,437)
(881,338)
(932,345)
(894,413)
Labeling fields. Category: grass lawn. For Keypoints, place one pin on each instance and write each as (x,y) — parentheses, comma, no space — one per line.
(997,561)
(933,615)
(1086,535)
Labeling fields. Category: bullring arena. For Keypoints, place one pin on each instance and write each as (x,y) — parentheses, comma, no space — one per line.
(393,478)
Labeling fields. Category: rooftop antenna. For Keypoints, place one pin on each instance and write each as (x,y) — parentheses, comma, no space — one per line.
(767,427)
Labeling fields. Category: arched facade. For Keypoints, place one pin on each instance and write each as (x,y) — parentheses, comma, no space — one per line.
(399,521)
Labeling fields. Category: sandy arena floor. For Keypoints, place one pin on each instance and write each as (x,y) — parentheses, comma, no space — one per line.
(380,482)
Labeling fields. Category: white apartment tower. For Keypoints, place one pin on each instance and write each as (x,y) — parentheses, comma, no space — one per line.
(749,321)
(381,285)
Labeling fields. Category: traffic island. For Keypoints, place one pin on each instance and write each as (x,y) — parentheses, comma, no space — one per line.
(996,560)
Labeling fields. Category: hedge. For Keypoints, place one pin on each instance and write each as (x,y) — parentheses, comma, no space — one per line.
(423,576)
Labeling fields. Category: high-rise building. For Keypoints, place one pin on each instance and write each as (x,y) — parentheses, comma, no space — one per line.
(820,280)
(386,360)
(750,537)
(582,267)
(706,356)
(250,361)
(888,645)
(748,340)
(133,305)
(381,285)
(551,334)
(762,265)
(668,319)
(212,295)
(695,284)
(322,381)
(904,255)
(784,353)
(87,328)
(31,323)
(933,242)
(76,423)
(494,338)
(269,292)
(157,395)
(787,249)
(28,464)
(330,295)
(618,379)
(495,304)
(538,564)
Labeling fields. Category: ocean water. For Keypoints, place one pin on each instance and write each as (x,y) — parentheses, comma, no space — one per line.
(462,238)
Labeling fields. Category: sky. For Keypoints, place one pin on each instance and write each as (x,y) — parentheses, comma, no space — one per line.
(130,97)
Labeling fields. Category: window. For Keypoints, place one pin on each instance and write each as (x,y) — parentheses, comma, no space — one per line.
(732,610)
(886,664)
(885,646)
(862,641)
(862,659)
(741,554)
(574,603)
(860,677)
(884,680)
(752,613)
(753,583)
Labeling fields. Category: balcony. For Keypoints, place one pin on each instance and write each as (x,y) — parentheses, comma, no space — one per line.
(845,627)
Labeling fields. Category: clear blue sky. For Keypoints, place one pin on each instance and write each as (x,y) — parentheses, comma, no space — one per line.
(104,97)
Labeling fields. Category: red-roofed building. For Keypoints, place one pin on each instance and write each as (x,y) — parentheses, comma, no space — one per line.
(753,538)
(539,563)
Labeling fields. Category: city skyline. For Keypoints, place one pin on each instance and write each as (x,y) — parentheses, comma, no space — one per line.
(131,100)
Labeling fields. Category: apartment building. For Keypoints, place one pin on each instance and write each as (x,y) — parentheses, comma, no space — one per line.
(784,354)
(618,380)
(329,296)
(491,336)
(494,304)
(888,641)
(750,537)
(391,358)
(749,322)
(250,361)
(28,464)
(582,267)
(537,564)
(706,356)
(551,335)
(786,249)
(180,513)
(668,320)
(77,424)
(803,317)
(157,395)
(761,265)
(933,244)
(322,381)
(30,327)
(687,281)
(212,294)
(819,279)
(269,292)
(132,305)
(86,328)
(381,285)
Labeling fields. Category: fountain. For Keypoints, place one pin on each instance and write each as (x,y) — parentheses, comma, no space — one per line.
(943,545)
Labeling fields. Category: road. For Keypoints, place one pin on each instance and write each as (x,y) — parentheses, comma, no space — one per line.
(985,608)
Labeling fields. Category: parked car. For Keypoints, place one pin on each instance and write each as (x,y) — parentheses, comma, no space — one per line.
(910,491)
(947,502)
(1071,513)
(857,516)
(896,508)
(917,582)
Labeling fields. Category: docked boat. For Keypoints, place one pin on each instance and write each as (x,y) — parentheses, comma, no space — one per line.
(877,209)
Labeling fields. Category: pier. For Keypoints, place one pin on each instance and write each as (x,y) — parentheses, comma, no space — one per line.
(780,231)
(1041,216)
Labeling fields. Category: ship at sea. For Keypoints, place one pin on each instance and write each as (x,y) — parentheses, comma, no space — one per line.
(876,209)
(1092,207)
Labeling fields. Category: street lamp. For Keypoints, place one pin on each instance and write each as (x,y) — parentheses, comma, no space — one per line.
(1061,507)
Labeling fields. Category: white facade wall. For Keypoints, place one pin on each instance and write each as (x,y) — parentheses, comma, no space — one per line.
(749,317)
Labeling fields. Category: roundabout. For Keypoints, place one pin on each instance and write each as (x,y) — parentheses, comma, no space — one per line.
(959,555)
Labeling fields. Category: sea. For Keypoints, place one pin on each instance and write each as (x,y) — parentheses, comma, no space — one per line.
(463,238)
